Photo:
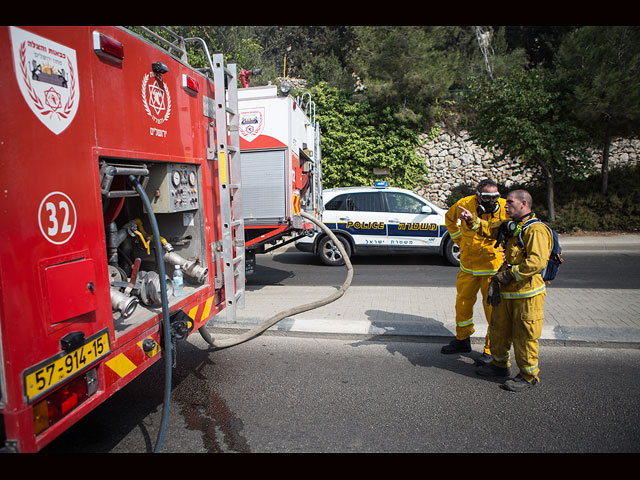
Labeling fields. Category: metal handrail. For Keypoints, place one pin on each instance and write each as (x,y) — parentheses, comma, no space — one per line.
(179,47)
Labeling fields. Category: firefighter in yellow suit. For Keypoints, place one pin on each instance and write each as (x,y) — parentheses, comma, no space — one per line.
(517,291)
(479,260)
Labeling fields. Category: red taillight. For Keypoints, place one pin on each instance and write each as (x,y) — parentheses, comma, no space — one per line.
(107,47)
(55,406)
(189,83)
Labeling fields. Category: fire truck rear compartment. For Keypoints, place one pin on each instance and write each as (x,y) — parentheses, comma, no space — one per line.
(174,191)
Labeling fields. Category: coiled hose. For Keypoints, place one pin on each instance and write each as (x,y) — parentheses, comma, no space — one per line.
(258,330)
(165,312)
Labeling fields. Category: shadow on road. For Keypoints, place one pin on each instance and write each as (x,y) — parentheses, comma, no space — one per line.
(463,363)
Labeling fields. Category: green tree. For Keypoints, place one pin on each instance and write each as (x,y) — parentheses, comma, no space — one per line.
(540,43)
(356,139)
(522,115)
(305,49)
(237,43)
(601,66)
(406,67)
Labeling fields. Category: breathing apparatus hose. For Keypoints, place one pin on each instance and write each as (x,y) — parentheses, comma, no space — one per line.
(258,330)
(165,312)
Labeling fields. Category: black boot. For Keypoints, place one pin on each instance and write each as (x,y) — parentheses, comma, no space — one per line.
(484,359)
(492,371)
(518,384)
(457,346)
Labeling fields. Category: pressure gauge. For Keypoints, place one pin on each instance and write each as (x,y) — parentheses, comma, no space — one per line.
(175,178)
(192,179)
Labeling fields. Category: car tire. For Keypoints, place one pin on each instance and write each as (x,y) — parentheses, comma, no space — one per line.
(330,254)
(452,252)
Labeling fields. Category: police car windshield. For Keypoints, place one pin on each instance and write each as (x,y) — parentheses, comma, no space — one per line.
(338,203)
(403,203)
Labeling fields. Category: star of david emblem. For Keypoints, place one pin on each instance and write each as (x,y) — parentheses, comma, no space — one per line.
(156,98)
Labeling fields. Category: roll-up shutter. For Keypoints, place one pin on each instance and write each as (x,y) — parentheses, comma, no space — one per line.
(264,185)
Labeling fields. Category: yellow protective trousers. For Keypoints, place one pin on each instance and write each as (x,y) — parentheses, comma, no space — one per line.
(517,322)
(467,286)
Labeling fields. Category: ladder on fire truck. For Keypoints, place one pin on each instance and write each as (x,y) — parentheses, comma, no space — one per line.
(229,175)
(225,149)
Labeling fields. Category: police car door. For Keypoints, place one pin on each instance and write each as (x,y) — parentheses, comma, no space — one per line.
(364,219)
(411,223)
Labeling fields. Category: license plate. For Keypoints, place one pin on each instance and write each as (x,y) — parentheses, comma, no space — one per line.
(55,370)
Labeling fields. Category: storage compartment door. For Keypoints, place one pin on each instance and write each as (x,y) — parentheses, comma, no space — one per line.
(264,186)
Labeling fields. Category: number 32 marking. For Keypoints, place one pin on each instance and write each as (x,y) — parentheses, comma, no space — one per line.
(57,217)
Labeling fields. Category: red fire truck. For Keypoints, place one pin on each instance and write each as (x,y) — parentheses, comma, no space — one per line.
(281,167)
(119,163)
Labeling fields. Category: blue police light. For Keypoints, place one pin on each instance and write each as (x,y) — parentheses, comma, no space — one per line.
(381,184)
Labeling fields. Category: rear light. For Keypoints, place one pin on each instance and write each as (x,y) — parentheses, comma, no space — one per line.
(107,47)
(55,406)
(190,84)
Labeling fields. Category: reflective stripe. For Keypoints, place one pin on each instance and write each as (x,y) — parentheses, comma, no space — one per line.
(531,369)
(465,323)
(501,359)
(122,365)
(457,234)
(514,270)
(477,272)
(476,225)
(530,293)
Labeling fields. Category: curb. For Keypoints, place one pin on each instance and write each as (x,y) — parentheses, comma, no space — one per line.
(551,335)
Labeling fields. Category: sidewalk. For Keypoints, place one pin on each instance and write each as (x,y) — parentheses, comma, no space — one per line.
(619,242)
(572,316)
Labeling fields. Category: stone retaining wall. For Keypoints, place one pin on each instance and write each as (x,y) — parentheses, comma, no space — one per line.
(453,159)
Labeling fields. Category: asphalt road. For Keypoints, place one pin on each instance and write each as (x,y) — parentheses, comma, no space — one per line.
(292,394)
(619,270)
(304,394)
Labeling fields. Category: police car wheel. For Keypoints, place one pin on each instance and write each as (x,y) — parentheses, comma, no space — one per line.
(452,252)
(329,252)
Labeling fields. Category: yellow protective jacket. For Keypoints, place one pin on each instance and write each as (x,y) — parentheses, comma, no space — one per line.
(524,261)
(478,256)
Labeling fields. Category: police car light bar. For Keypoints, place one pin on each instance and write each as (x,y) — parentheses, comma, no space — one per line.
(381,184)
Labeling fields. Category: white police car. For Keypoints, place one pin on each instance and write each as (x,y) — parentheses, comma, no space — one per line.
(380,219)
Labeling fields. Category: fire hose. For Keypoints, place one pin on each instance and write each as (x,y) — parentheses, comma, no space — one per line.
(258,330)
(220,344)
(165,311)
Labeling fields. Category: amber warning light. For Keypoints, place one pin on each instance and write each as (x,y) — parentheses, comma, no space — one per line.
(107,47)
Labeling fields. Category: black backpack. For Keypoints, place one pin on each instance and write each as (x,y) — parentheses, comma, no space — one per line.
(555,256)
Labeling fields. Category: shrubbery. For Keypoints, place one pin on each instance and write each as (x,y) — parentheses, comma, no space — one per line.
(579,204)
(581,207)
(356,139)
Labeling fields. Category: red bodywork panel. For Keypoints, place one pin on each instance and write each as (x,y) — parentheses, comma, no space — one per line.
(54,276)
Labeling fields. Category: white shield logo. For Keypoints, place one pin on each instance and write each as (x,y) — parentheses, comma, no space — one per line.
(47,76)
(251,123)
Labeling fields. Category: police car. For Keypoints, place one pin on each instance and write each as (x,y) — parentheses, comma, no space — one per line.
(380,219)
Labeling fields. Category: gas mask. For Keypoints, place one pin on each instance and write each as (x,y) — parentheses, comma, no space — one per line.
(507,229)
(488,202)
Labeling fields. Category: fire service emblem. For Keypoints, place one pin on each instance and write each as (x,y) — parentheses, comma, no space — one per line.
(47,76)
(156,98)
(251,123)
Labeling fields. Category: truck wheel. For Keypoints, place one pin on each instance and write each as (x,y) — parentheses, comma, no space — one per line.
(329,252)
(452,252)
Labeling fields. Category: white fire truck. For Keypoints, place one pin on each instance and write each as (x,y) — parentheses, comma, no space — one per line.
(281,168)
(119,163)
